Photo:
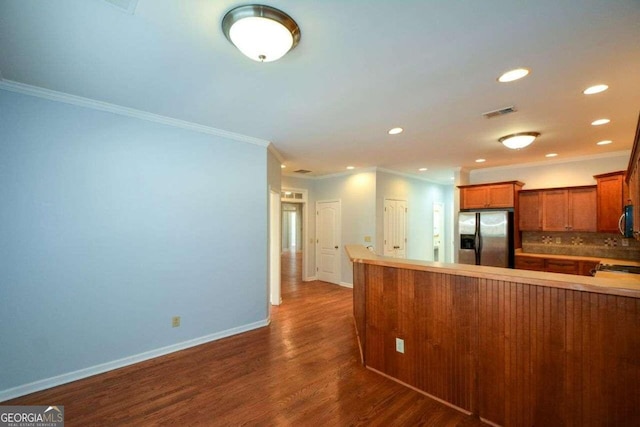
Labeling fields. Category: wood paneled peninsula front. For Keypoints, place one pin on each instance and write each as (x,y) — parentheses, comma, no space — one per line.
(513,347)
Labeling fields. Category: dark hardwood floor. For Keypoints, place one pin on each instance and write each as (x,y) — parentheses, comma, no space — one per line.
(304,369)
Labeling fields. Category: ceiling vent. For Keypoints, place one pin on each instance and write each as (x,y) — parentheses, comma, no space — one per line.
(500,112)
(302,171)
(128,6)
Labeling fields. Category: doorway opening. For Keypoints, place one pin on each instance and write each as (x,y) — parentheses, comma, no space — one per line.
(293,250)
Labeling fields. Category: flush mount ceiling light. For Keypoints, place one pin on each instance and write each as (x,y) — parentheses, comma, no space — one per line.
(395,131)
(513,75)
(605,142)
(595,89)
(422,169)
(551,155)
(516,141)
(262,33)
(481,160)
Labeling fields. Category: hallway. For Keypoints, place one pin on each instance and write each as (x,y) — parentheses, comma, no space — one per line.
(304,369)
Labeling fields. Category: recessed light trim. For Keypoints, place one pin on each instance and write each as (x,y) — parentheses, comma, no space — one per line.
(605,142)
(395,131)
(283,166)
(600,122)
(515,141)
(351,168)
(595,89)
(481,160)
(512,75)
(551,155)
(422,169)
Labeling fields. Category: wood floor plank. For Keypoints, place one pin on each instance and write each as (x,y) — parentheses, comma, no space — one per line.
(303,369)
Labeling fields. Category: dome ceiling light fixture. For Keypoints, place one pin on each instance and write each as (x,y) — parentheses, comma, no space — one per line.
(519,140)
(262,33)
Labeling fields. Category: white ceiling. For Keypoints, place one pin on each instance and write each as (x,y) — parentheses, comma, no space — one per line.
(362,67)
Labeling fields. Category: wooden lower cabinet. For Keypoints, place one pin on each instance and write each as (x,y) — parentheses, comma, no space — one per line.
(510,352)
(555,265)
(529,263)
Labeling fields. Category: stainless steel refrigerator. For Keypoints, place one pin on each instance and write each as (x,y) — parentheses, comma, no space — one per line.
(486,238)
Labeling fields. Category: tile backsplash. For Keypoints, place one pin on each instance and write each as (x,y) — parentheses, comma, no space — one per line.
(599,245)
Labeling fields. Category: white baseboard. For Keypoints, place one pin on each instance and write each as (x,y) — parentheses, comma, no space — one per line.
(346,285)
(43,384)
(309,279)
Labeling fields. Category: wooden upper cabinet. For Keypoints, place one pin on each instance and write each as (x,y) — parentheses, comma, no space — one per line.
(612,195)
(483,196)
(569,209)
(583,209)
(530,210)
(555,209)
(633,181)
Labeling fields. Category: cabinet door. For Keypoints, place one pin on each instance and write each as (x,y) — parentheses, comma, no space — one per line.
(529,211)
(555,207)
(582,209)
(610,202)
(500,196)
(529,263)
(474,197)
(561,266)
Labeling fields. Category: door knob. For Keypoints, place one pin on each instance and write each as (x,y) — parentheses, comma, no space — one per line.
(336,247)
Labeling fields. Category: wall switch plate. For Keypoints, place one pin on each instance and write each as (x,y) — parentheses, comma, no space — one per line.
(367,239)
(399,345)
(175,321)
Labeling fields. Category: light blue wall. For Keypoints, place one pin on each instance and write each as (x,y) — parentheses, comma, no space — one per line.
(357,193)
(420,196)
(111,225)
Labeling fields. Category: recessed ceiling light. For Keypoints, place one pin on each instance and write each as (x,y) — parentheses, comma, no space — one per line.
(595,89)
(422,169)
(512,75)
(480,160)
(605,142)
(350,167)
(551,155)
(600,122)
(283,166)
(395,131)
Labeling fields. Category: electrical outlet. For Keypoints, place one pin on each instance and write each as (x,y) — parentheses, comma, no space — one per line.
(625,242)
(399,345)
(558,239)
(367,239)
(175,321)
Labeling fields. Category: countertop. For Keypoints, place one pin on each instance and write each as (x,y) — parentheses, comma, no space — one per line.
(609,283)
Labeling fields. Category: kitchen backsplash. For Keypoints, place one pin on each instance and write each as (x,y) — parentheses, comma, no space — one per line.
(599,245)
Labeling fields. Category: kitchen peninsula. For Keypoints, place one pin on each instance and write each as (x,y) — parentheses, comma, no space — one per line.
(513,347)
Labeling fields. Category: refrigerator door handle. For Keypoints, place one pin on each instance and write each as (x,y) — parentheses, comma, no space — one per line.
(478,240)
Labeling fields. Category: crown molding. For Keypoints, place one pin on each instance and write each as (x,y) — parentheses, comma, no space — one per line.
(411,176)
(272,148)
(555,161)
(53,95)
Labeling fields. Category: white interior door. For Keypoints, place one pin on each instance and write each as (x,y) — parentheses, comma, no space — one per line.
(328,242)
(395,228)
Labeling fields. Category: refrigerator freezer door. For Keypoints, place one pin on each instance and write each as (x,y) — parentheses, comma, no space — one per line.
(468,238)
(494,234)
